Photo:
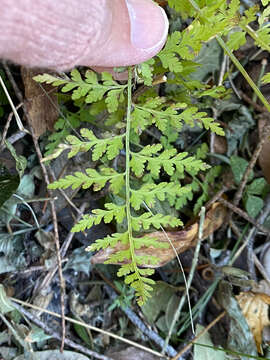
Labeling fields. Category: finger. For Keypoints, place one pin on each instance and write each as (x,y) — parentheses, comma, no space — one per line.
(137,31)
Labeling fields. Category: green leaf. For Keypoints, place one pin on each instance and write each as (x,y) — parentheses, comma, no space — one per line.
(91,178)
(5,305)
(112,212)
(236,40)
(145,71)
(253,205)
(266,78)
(146,220)
(111,146)
(90,88)
(239,166)
(206,352)
(257,187)
(110,240)
(20,160)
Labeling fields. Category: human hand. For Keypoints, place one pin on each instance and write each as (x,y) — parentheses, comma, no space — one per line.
(96,33)
(131,32)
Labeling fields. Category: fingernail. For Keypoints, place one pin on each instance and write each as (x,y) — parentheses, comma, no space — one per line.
(148,24)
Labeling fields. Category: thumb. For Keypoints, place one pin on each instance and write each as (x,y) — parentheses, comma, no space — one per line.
(135,31)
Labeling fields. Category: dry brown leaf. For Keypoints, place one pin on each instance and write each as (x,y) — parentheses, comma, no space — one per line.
(181,240)
(255,310)
(264,158)
(42,105)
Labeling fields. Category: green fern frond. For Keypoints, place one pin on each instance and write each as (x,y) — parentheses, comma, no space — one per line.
(148,193)
(110,240)
(175,115)
(169,160)
(91,88)
(113,212)
(91,177)
(148,241)
(146,220)
(111,147)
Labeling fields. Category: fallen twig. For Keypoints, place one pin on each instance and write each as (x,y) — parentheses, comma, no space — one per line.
(244,215)
(208,327)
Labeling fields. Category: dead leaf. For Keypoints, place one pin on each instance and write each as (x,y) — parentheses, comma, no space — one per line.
(264,158)
(255,309)
(182,240)
(41,102)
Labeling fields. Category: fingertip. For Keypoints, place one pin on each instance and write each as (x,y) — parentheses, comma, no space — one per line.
(148,24)
(138,31)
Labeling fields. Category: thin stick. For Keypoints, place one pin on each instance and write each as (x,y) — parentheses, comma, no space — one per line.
(70,236)
(260,267)
(255,155)
(204,331)
(30,209)
(13,82)
(56,237)
(190,277)
(17,117)
(216,197)
(94,328)
(7,127)
(55,335)
(14,138)
(244,215)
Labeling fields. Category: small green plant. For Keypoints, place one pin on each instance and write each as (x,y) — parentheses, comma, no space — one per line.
(255,190)
(142,174)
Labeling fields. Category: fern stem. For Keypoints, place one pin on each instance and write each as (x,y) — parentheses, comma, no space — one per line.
(128,212)
(244,73)
(236,62)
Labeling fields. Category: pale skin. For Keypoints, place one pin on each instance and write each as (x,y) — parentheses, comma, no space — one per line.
(132,35)
(66,33)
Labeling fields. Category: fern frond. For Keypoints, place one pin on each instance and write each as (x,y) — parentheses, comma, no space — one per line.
(111,147)
(169,161)
(145,71)
(148,193)
(113,212)
(91,177)
(110,240)
(148,241)
(90,88)
(174,115)
(146,220)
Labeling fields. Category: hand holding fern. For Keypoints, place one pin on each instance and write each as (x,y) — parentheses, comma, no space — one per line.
(63,34)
